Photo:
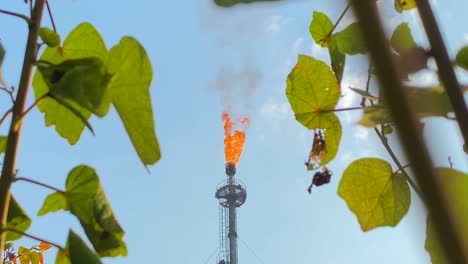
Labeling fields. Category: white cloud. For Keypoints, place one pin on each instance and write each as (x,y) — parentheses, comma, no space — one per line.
(361,133)
(276,110)
(274,24)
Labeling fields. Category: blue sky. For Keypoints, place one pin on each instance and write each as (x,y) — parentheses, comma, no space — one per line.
(206,60)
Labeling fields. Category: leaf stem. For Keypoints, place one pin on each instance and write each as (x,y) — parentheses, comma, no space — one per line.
(50,15)
(9,164)
(339,19)
(25,18)
(12,230)
(20,119)
(339,109)
(38,183)
(7,113)
(9,92)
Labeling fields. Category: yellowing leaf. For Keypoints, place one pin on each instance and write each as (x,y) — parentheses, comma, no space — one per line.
(350,41)
(24,255)
(311,88)
(402,5)
(462,58)
(44,246)
(130,93)
(34,257)
(374,194)
(320,28)
(83,42)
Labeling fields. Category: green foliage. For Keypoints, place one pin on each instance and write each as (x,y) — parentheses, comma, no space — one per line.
(364,94)
(3,142)
(129,90)
(455,184)
(403,5)
(2,56)
(337,58)
(82,81)
(83,42)
(49,37)
(16,219)
(461,58)
(376,195)
(86,200)
(320,28)
(229,3)
(349,40)
(402,40)
(426,102)
(76,252)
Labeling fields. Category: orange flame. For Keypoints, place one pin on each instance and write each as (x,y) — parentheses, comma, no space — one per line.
(233,141)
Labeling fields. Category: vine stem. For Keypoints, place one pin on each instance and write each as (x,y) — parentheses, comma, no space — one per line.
(38,183)
(9,164)
(31,107)
(25,18)
(49,10)
(12,230)
(340,109)
(340,18)
(7,113)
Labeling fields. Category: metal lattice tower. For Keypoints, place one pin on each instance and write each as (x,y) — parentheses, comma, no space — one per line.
(231,194)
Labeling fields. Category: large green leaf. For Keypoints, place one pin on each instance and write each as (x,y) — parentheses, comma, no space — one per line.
(2,56)
(49,37)
(83,81)
(426,102)
(337,58)
(374,194)
(228,3)
(16,219)
(350,41)
(76,252)
(130,95)
(311,89)
(462,58)
(86,200)
(320,28)
(83,42)
(455,185)
(402,5)
(54,202)
(402,40)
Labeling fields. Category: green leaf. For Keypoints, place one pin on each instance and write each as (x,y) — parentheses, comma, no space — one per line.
(388,130)
(53,203)
(86,200)
(2,56)
(229,3)
(320,28)
(461,59)
(49,37)
(3,142)
(402,5)
(402,40)
(16,219)
(337,59)
(62,257)
(130,95)
(35,258)
(78,252)
(455,185)
(374,194)
(426,102)
(83,42)
(311,89)
(350,41)
(364,94)
(83,81)
(72,108)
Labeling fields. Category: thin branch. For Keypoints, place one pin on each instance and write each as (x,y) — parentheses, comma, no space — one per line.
(38,183)
(25,18)
(12,230)
(404,167)
(31,107)
(450,162)
(7,113)
(9,92)
(339,19)
(339,109)
(50,15)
